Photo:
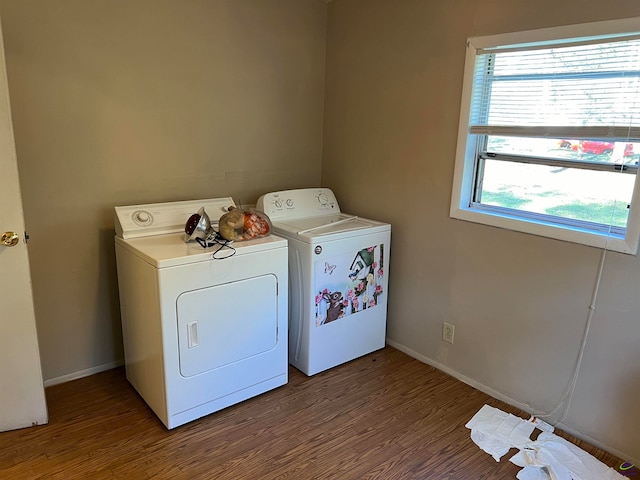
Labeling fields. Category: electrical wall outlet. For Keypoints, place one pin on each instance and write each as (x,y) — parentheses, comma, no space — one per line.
(447,332)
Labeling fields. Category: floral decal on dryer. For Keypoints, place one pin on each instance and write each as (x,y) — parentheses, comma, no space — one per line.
(348,284)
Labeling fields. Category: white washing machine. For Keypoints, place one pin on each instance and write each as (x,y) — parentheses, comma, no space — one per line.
(338,278)
(200,333)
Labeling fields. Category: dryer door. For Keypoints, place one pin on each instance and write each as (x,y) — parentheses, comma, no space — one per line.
(226,323)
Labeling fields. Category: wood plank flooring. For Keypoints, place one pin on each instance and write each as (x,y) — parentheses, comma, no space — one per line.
(383,416)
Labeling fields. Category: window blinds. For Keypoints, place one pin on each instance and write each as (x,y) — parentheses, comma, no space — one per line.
(589,90)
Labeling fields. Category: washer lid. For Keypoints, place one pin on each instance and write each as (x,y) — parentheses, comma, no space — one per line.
(170,250)
(341,224)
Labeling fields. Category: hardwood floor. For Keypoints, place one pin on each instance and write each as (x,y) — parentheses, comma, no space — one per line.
(383,416)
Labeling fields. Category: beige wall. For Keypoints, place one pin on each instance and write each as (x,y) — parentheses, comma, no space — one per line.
(118,102)
(519,303)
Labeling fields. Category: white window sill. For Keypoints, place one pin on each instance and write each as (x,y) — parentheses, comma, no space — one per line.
(610,242)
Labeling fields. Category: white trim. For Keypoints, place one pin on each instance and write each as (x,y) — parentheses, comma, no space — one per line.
(518,224)
(465,148)
(583,31)
(504,398)
(83,373)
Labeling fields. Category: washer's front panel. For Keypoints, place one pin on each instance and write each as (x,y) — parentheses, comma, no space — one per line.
(338,294)
(224,324)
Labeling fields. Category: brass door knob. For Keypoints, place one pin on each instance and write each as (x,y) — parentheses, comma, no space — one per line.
(9,239)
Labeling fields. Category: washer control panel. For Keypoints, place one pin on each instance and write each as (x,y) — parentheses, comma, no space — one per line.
(157,218)
(301,203)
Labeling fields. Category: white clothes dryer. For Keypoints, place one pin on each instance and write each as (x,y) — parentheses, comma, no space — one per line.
(200,333)
(338,278)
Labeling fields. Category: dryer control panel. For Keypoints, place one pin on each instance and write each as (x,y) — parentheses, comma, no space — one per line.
(301,203)
(158,218)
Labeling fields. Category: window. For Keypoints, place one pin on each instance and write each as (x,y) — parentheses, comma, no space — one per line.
(549,138)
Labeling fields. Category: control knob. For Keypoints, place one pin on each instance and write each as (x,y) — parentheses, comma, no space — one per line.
(142,218)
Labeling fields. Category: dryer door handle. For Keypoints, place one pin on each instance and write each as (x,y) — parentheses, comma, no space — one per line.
(192,335)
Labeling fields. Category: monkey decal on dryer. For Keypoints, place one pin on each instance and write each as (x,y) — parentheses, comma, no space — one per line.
(348,284)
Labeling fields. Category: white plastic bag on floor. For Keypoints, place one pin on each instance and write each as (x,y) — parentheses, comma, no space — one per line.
(533,473)
(560,459)
(549,457)
(495,431)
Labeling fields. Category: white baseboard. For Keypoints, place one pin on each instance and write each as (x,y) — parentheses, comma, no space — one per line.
(83,373)
(499,396)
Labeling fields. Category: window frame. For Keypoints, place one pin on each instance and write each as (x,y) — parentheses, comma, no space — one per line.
(462,204)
